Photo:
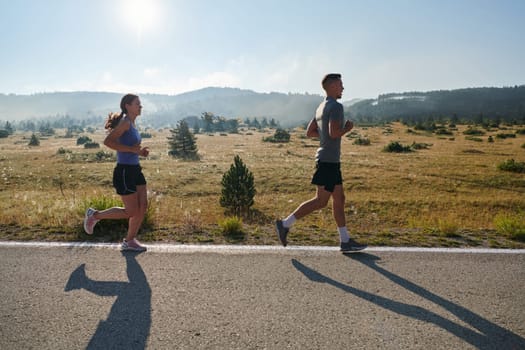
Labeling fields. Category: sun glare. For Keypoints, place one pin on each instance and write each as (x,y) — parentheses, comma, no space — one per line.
(142,16)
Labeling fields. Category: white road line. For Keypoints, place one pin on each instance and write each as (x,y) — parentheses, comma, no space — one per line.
(192,248)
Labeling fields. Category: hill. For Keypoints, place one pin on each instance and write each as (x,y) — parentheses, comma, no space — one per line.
(478,105)
(472,104)
(161,110)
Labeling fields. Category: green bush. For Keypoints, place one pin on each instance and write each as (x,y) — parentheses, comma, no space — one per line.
(472,131)
(280,135)
(231,225)
(231,228)
(362,141)
(102,156)
(62,150)
(512,166)
(505,136)
(512,226)
(34,141)
(396,147)
(520,132)
(82,140)
(91,144)
(238,189)
(421,145)
(472,138)
(443,131)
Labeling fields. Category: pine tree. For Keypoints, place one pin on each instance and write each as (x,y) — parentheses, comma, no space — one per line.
(182,143)
(238,189)
(34,141)
(9,128)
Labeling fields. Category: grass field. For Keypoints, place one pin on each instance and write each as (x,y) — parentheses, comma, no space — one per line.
(448,194)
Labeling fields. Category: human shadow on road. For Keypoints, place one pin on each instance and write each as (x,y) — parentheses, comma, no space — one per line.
(129,321)
(491,335)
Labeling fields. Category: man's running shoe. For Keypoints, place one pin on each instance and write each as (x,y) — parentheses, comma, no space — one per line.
(352,246)
(90,221)
(282,232)
(132,245)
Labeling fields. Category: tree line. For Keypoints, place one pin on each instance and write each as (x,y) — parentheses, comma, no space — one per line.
(462,106)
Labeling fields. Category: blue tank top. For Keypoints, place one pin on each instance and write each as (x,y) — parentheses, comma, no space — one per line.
(129,138)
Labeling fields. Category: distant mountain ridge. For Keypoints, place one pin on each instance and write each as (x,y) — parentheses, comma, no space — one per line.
(161,109)
(506,104)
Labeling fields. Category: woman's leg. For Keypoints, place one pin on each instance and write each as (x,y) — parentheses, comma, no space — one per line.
(140,206)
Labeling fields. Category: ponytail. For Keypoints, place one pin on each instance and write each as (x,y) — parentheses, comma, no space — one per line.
(114,118)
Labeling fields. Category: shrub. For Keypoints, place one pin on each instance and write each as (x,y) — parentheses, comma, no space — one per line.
(145,135)
(280,135)
(62,150)
(472,138)
(472,131)
(91,144)
(362,141)
(82,140)
(443,131)
(490,139)
(505,136)
(448,228)
(512,226)
(231,228)
(420,145)
(102,156)
(396,147)
(3,133)
(34,141)
(512,166)
(520,132)
(238,189)
(231,225)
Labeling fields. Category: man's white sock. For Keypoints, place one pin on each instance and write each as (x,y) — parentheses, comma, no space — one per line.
(343,234)
(289,221)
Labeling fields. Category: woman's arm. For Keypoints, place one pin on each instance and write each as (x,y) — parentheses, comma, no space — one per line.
(112,142)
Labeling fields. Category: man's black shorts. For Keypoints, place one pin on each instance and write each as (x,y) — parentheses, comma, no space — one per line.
(327,175)
(127,177)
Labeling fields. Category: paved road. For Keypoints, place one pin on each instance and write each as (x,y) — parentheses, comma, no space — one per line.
(83,297)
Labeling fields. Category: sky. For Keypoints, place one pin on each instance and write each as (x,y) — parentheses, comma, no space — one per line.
(175,46)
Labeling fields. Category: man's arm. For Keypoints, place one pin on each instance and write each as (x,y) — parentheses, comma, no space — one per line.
(313,129)
(335,130)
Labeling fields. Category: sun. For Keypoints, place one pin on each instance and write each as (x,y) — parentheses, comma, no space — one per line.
(142,16)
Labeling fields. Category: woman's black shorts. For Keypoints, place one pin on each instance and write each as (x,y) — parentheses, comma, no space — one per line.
(327,175)
(126,178)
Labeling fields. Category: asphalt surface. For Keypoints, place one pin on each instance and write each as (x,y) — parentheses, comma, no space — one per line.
(85,297)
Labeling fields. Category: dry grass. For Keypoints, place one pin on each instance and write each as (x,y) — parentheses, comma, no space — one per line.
(446,195)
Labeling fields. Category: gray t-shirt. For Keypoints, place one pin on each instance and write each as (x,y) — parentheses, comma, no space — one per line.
(330,149)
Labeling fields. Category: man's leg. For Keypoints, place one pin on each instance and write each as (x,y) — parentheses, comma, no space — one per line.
(318,202)
(338,209)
